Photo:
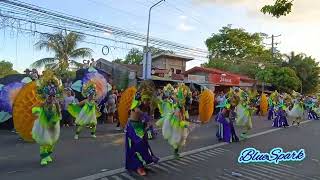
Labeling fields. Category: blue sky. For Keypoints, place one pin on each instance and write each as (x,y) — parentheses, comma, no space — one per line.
(188,22)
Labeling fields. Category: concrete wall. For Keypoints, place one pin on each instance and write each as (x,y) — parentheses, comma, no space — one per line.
(168,63)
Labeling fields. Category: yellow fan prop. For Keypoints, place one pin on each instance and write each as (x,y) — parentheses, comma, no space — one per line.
(206,105)
(264,104)
(124,105)
(22,111)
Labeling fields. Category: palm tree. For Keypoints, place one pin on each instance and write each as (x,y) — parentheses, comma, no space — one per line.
(64,46)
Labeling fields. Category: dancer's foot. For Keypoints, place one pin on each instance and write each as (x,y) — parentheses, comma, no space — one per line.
(176,154)
(93,136)
(243,136)
(141,172)
(76,137)
(43,162)
(236,139)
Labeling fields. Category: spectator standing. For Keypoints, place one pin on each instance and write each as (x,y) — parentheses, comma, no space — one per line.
(112,105)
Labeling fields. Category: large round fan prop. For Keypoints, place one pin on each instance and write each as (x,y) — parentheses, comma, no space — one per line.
(22,110)
(102,86)
(9,88)
(124,105)
(264,104)
(206,105)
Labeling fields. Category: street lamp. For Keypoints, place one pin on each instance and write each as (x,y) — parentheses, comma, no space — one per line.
(147,57)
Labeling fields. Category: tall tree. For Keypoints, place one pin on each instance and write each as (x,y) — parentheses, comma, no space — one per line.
(64,45)
(6,68)
(236,43)
(279,8)
(135,56)
(283,78)
(307,69)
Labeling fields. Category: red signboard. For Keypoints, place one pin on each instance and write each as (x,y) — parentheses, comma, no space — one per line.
(224,79)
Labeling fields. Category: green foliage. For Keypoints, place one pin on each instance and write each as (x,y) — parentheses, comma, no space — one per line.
(237,51)
(135,56)
(307,70)
(283,78)
(6,68)
(280,8)
(64,75)
(65,47)
(232,43)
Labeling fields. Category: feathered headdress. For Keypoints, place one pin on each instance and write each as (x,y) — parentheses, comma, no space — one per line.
(233,97)
(274,95)
(49,85)
(295,94)
(147,90)
(89,89)
(224,104)
(243,95)
(168,90)
(182,92)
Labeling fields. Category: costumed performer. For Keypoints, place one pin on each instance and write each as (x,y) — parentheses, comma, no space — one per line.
(173,121)
(138,151)
(244,114)
(224,128)
(281,119)
(86,112)
(297,111)
(311,105)
(272,103)
(46,128)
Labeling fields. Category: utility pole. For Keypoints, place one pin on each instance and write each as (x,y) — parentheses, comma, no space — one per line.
(273,45)
(147,57)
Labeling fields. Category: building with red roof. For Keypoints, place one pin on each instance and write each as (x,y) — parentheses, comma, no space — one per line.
(217,79)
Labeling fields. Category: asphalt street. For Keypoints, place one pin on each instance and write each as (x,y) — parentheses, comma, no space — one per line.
(104,157)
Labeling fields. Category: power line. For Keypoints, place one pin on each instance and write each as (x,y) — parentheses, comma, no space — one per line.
(117,31)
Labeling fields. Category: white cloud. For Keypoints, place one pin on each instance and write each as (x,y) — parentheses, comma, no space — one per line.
(303,10)
(185,27)
(183,24)
(183,17)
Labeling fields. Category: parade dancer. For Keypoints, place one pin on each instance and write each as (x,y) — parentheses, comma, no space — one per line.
(232,119)
(244,114)
(86,112)
(46,128)
(224,124)
(272,104)
(311,105)
(280,120)
(173,121)
(297,112)
(146,109)
(138,151)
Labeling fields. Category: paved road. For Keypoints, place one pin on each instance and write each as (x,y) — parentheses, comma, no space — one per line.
(75,159)
(219,162)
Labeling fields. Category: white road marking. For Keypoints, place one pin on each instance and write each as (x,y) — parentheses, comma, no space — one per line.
(126,175)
